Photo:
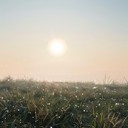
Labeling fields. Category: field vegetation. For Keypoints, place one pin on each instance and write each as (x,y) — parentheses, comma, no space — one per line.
(32,104)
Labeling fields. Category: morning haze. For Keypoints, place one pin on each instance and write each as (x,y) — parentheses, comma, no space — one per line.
(95,34)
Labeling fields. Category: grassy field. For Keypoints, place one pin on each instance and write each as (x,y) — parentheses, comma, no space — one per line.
(32,104)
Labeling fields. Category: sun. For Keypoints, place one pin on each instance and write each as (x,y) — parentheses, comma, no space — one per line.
(57,47)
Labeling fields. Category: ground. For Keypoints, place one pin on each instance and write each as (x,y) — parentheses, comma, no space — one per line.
(32,104)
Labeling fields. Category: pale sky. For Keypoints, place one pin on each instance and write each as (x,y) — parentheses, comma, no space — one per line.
(95,32)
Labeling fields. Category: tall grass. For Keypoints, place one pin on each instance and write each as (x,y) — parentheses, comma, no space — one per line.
(32,104)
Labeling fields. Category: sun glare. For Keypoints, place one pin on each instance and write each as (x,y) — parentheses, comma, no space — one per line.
(57,47)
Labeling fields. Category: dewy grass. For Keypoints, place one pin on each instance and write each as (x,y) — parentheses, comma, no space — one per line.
(31,104)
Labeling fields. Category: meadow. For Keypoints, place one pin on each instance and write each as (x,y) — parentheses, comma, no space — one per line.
(33,104)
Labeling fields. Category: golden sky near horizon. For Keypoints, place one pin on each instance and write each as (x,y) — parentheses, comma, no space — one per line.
(64,40)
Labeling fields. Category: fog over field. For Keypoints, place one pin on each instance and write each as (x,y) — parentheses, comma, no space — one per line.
(63,63)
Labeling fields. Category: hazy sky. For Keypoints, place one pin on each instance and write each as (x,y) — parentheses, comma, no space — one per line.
(95,31)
